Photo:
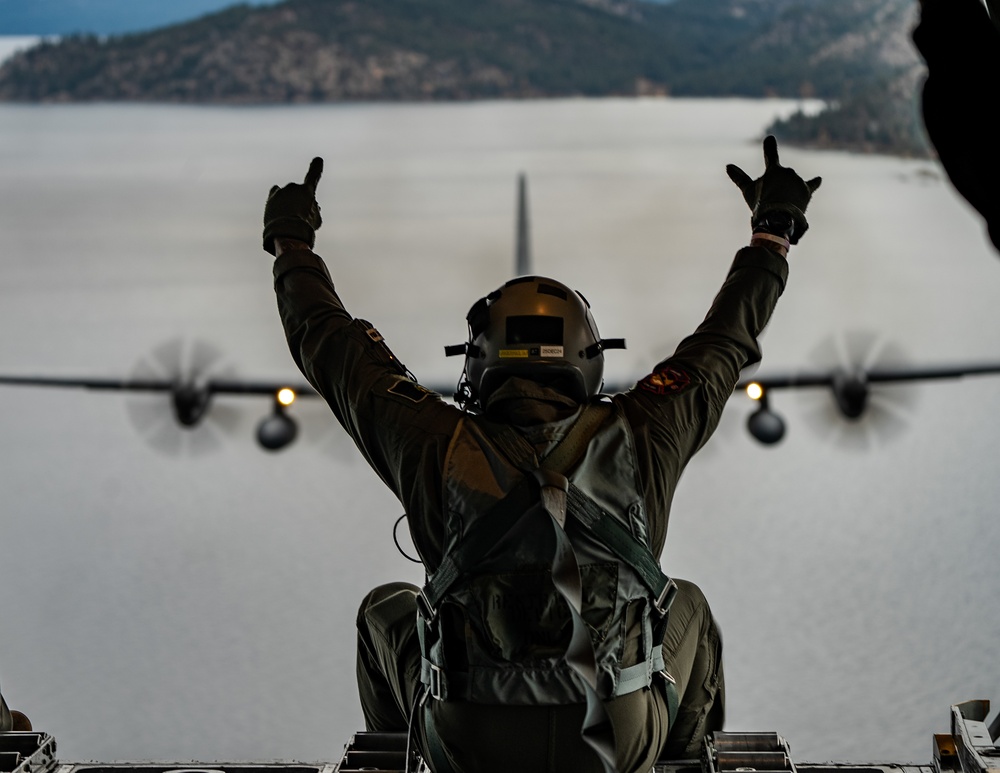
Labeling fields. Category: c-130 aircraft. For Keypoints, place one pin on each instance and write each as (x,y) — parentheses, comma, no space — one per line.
(970,746)
(859,383)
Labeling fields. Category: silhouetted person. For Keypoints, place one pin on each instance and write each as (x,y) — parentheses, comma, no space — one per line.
(538,506)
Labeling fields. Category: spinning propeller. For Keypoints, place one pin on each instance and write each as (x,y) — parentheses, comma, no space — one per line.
(172,401)
(181,374)
(865,410)
(870,390)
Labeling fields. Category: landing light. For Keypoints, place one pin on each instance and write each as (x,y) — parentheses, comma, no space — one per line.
(286,396)
(764,424)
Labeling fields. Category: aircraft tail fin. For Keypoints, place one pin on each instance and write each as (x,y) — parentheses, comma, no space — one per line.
(522,256)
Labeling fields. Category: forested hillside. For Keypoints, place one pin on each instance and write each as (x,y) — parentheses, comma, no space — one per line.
(854,53)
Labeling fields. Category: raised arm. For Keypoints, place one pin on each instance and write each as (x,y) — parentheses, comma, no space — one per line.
(677,407)
(401,428)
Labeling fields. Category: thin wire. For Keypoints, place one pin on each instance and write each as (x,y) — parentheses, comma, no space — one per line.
(399,547)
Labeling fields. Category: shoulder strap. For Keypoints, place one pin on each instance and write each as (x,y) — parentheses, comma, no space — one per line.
(613,534)
(569,450)
(609,530)
(482,536)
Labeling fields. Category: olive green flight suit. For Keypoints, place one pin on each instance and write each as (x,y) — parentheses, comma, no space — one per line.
(404,433)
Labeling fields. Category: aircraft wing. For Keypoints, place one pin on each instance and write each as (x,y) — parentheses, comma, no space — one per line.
(851,389)
(873,376)
(212,386)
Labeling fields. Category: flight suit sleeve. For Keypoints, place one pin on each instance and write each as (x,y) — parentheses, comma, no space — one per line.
(402,429)
(674,410)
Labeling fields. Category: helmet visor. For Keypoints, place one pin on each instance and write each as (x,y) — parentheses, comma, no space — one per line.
(534,329)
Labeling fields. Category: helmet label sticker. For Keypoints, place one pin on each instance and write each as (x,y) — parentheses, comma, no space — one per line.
(666,381)
(533,351)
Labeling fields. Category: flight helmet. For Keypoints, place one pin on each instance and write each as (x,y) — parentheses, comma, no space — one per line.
(535,328)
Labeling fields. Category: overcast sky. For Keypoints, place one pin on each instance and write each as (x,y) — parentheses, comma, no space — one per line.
(103,17)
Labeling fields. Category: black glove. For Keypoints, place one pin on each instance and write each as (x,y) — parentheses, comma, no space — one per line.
(777,198)
(292,211)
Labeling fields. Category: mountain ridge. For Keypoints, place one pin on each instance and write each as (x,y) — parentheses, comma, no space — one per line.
(298,51)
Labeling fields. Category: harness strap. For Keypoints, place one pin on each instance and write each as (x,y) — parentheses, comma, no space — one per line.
(673,701)
(612,533)
(484,535)
(635,677)
(597,730)
(609,530)
(504,514)
(435,749)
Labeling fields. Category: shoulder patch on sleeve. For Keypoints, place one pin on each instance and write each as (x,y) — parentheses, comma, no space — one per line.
(666,381)
(409,390)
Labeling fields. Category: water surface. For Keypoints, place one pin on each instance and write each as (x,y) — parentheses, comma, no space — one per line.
(201,605)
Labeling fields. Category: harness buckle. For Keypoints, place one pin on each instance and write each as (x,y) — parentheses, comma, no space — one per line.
(666,598)
(424,607)
(435,688)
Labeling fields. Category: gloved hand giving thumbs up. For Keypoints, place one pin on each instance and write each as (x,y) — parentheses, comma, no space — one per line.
(778,198)
(292,212)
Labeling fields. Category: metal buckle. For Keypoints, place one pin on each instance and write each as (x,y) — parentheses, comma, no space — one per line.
(424,608)
(434,689)
(666,597)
